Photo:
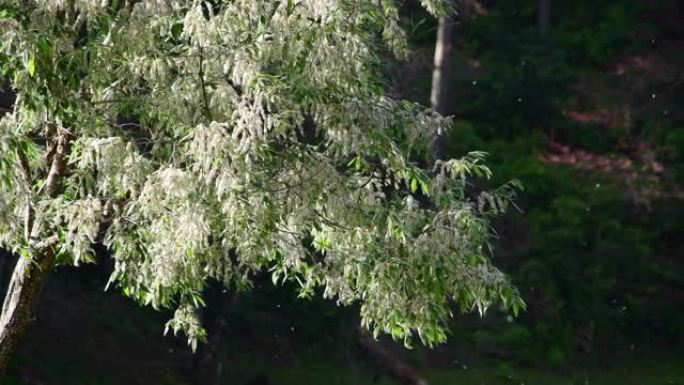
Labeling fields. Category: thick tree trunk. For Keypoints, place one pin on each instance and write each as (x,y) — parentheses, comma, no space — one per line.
(30,273)
(26,282)
(441,75)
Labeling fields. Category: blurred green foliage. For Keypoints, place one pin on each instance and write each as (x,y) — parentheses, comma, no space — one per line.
(597,269)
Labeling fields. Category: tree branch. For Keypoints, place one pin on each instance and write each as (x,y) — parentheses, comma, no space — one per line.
(53,182)
(26,174)
(207,110)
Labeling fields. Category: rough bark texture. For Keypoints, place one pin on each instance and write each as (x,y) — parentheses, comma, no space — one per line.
(27,280)
(53,183)
(440,75)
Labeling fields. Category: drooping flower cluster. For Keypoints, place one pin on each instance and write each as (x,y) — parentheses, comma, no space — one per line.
(219,139)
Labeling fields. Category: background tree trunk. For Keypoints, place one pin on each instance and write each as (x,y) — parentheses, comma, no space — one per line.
(26,282)
(208,360)
(441,75)
(544,20)
(442,64)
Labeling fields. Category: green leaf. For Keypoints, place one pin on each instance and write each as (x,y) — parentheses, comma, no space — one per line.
(31,66)
(414,185)
(424,188)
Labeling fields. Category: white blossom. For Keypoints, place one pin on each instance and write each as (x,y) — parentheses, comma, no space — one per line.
(220,141)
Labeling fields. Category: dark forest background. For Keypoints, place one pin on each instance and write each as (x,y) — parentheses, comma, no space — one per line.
(585,105)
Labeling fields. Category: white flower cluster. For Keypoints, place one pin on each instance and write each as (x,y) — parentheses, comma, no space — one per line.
(83,219)
(261,140)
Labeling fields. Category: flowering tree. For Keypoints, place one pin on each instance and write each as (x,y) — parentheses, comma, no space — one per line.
(215,139)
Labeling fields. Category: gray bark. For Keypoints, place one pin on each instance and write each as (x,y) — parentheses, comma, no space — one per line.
(443,64)
(26,282)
